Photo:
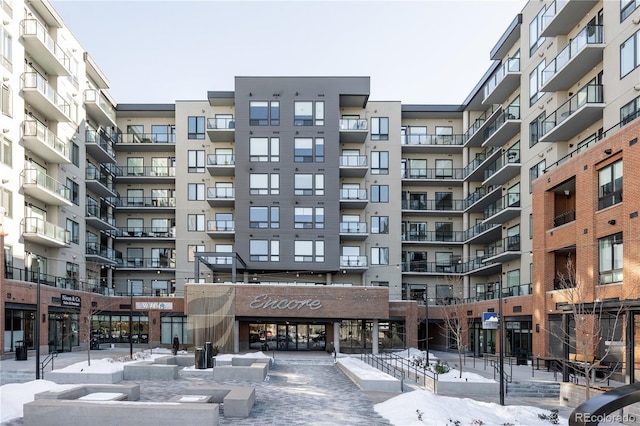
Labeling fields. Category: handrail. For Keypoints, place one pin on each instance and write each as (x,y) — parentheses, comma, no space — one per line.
(388,363)
(47,360)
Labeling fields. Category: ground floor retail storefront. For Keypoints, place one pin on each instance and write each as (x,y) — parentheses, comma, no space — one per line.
(294,318)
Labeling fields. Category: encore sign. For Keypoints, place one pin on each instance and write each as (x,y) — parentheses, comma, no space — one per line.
(263,301)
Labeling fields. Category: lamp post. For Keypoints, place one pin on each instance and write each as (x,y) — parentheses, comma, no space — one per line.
(130,320)
(426,322)
(501,329)
(36,338)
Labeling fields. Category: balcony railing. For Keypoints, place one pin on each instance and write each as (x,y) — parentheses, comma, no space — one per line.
(33,80)
(590,94)
(353,194)
(149,171)
(138,262)
(34,28)
(478,229)
(220,159)
(147,232)
(480,158)
(512,112)
(147,138)
(94,210)
(479,122)
(475,196)
(35,225)
(436,205)
(96,249)
(566,217)
(511,243)
(353,261)
(221,123)
(510,66)
(431,140)
(434,236)
(444,173)
(43,180)
(591,34)
(94,96)
(93,173)
(214,192)
(221,225)
(134,202)
(353,124)
(100,139)
(353,227)
(33,128)
(509,200)
(353,161)
(512,156)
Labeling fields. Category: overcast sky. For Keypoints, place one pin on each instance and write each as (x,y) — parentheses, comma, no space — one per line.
(417,52)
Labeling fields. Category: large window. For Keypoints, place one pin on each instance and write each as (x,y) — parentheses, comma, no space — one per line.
(380,163)
(74,191)
(629,55)
(196,161)
(308,184)
(308,150)
(536,129)
(627,7)
(192,249)
(379,193)
(195,191)
(6,151)
(264,149)
(610,185)
(73,228)
(444,168)
(610,251)
(629,112)
(264,113)
(264,217)
(195,127)
(380,128)
(379,255)
(308,251)
(264,184)
(380,224)
(5,101)
(195,222)
(535,82)
(308,113)
(535,172)
(264,250)
(535,30)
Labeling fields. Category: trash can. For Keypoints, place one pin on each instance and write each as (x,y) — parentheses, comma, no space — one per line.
(208,354)
(21,351)
(521,358)
(95,344)
(200,359)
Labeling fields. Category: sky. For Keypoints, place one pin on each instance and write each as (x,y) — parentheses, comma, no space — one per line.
(402,410)
(416,52)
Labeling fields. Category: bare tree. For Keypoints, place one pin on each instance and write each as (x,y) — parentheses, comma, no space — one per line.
(591,324)
(455,327)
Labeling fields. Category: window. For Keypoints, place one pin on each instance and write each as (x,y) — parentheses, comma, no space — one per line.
(379,193)
(444,200)
(380,224)
(627,7)
(610,185)
(610,251)
(74,191)
(380,163)
(264,113)
(536,129)
(629,112)
(308,251)
(264,217)
(380,128)
(513,239)
(192,249)
(264,184)
(308,113)
(75,154)
(196,161)
(535,81)
(264,149)
(535,172)
(195,191)
(160,226)
(6,152)
(513,196)
(224,222)
(444,135)
(308,150)
(308,218)
(308,184)
(195,223)
(380,255)
(73,228)
(535,29)
(6,201)
(163,166)
(444,168)
(163,133)
(195,127)
(264,250)
(135,166)
(7,46)
(629,55)
(444,231)
(5,101)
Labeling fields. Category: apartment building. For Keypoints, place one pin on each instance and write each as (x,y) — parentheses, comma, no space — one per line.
(295,212)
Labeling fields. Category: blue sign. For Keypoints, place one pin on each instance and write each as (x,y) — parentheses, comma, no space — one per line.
(490,320)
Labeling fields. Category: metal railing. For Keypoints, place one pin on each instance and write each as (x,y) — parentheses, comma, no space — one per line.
(43,180)
(401,368)
(353,124)
(33,80)
(31,27)
(445,204)
(431,173)
(217,123)
(34,128)
(511,65)
(432,140)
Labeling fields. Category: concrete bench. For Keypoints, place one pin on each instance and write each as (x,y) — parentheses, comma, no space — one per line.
(179,360)
(148,370)
(49,412)
(245,361)
(78,377)
(237,400)
(381,383)
(131,392)
(255,372)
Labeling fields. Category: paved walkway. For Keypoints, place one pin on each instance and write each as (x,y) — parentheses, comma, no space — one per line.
(303,388)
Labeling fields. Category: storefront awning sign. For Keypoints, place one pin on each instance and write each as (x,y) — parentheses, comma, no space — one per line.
(490,320)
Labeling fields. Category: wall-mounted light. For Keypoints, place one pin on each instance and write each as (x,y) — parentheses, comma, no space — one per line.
(567,193)
(5,78)
(537,328)
(608,151)
(611,222)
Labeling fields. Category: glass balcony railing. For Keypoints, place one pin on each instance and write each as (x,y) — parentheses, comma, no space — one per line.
(353,124)
(138,262)
(94,96)
(443,173)
(510,66)
(430,140)
(478,229)
(511,243)
(33,80)
(479,122)
(353,161)
(221,123)
(144,138)
(98,138)
(216,193)
(95,249)
(508,201)
(220,159)
(147,231)
(353,194)
(94,210)
(43,180)
(149,171)
(480,158)
(33,128)
(353,227)
(434,236)
(92,173)
(512,156)
(590,94)
(435,205)
(221,225)
(135,202)
(353,261)
(38,226)
(31,27)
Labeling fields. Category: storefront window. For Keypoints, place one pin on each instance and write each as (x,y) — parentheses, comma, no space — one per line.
(355,336)
(18,327)
(108,328)
(174,325)
(391,335)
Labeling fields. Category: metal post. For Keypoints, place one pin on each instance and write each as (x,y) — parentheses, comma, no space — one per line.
(130,320)
(501,329)
(36,338)
(426,322)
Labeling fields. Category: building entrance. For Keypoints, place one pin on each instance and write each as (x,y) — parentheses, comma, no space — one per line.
(287,337)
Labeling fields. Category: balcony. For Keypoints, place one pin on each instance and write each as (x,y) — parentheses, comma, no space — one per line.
(504,128)
(99,146)
(38,139)
(221,197)
(437,144)
(504,250)
(221,129)
(146,142)
(424,207)
(99,108)
(481,198)
(437,177)
(148,174)
(503,210)
(38,231)
(43,49)
(353,130)
(474,135)
(581,55)
(354,263)
(221,164)
(504,81)
(563,15)
(99,182)
(483,233)
(101,254)
(474,171)
(353,198)
(481,267)
(99,218)
(505,168)
(221,228)
(564,218)
(432,268)
(138,203)
(579,112)
(137,233)
(40,94)
(353,166)
(353,231)
(441,238)
(43,187)
(146,263)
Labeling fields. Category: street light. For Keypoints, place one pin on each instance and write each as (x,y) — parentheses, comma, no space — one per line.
(426,322)
(501,340)
(37,325)
(130,320)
